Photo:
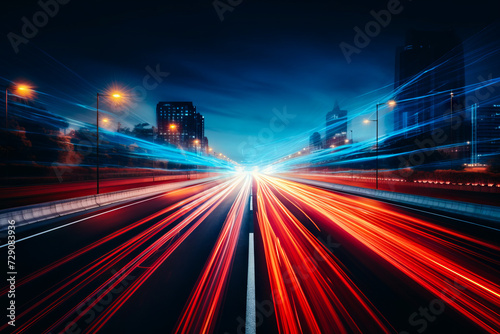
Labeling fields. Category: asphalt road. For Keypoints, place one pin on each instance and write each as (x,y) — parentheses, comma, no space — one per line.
(324,262)
(156,305)
(383,249)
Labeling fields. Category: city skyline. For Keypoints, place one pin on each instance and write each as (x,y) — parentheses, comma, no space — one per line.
(260,65)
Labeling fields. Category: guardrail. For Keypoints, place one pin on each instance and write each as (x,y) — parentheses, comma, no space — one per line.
(472,210)
(39,212)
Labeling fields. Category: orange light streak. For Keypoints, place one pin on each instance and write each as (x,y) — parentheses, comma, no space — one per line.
(429,254)
(311,292)
(206,299)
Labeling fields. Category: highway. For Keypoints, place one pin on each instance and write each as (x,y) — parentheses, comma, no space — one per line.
(473,194)
(324,262)
(11,197)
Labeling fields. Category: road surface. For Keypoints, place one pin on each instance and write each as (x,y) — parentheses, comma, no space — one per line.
(323,262)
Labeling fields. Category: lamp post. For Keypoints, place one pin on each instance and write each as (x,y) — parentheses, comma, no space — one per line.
(391,104)
(116,96)
(6,107)
(172,134)
(196,145)
(352,165)
(21,90)
(451,133)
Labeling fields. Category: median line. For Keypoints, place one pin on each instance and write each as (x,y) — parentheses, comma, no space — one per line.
(250,323)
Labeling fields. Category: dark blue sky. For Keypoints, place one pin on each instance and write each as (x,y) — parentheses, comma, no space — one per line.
(264,55)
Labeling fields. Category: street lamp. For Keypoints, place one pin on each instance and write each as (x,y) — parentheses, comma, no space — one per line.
(173,135)
(451,131)
(21,90)
(352,165)
(196,145)
(24,90)
(391,103)
(116,96)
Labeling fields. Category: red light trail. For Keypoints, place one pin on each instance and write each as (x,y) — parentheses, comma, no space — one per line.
(429,254)
(196,207)
(313,289)
(311,292)
(206,298)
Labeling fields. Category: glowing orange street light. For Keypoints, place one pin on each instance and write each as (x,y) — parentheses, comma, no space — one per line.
(24,90)
(196,145)
(20,90)
(116,95)
(173,126)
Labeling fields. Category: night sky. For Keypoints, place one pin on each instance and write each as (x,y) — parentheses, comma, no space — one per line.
(265,55)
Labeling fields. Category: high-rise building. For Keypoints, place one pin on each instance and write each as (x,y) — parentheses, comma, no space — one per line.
(336,127)
(428,68)
(181,125)
(485,143)
(315,142)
